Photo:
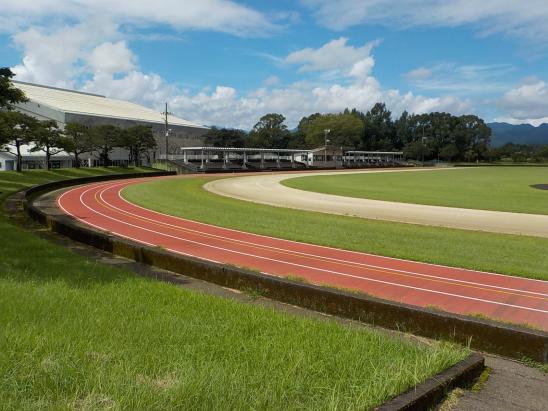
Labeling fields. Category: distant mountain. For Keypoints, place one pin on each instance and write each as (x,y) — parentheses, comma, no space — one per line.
(503,133)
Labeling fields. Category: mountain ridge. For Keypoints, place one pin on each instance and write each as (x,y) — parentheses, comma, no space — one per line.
(503,133)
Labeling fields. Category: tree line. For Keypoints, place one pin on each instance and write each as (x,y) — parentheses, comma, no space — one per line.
(18,129)
(422,136)
(520,153)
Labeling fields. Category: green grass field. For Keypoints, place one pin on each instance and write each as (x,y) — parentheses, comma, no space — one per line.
(79,335)
(506,254)
(487,188)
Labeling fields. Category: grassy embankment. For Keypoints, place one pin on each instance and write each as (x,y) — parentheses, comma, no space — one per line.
(77,334)
(506,254)
(486,188)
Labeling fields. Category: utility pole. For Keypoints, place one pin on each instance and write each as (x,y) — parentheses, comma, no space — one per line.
(423,145)
(326,132)
(166,129)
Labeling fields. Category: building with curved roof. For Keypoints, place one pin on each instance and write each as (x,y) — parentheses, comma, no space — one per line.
(64,106)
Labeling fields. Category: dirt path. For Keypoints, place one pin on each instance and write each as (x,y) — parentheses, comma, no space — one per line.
(266,189)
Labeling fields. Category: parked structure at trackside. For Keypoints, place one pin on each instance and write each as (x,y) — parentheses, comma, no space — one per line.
(32,159)
(253,158)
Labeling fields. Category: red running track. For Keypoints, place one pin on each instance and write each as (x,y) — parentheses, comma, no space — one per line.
(507,298)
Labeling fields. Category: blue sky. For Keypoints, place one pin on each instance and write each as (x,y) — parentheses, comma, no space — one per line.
(227,63)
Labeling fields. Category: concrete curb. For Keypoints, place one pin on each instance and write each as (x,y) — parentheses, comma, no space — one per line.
(499,338)
(56,185)
(431,392)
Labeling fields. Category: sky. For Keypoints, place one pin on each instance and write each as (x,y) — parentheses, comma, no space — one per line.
(227,63)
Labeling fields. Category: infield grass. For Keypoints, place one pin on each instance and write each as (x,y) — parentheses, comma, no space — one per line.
(486,188)
(79,335)
(506,254)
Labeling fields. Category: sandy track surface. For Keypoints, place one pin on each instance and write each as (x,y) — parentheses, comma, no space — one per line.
(266,189)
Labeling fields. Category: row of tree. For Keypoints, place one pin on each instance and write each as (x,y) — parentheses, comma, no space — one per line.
(425,136)
(519,153)
(18,129)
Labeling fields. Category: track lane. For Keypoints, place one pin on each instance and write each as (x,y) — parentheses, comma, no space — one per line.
(457,290)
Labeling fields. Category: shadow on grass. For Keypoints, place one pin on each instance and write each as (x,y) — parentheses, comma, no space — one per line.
(26,257)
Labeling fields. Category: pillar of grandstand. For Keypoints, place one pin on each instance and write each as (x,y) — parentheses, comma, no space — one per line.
(362,159)
(239,158)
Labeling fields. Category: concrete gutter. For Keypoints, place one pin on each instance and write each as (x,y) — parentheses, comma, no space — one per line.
(427,395)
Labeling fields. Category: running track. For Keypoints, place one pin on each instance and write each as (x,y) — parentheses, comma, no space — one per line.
(462,291)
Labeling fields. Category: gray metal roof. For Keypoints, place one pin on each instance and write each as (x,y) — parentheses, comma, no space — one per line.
(77,102)
(284,150)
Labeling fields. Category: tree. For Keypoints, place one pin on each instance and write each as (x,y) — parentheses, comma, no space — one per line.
(104,138)
(138,140)
(4,132)
(542,154)
(76,140)
(472,137)
(9,94)
(19,130)
(225,137)
(345,130)
(270,132)
(47,138)
(417,150)
(379,128)
(449,152)
(402,130)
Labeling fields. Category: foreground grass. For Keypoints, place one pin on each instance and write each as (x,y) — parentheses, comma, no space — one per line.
(76,334)
(506,254)
(487,188)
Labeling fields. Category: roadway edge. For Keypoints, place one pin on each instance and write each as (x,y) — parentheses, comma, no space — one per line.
(482,334)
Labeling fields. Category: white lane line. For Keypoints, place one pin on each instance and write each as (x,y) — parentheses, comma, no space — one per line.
(302,265)
(308,255)
(359,253)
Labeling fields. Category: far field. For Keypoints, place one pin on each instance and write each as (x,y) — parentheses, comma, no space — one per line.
(506,254)
(487,188)
(76,334)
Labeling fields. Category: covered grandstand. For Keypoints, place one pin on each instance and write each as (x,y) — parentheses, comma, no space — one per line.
(212,159)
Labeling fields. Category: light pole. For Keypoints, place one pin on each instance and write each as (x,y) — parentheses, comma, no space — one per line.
(326,132)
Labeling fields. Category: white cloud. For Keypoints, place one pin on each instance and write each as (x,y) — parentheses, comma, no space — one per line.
(334,55)
(526,103)
(420,73)
(62,40)
(84,47)
(218,15)
(111,70)
(526,18)
(224,106)
(271,81)
(111,58)
(461,79)
(55,57)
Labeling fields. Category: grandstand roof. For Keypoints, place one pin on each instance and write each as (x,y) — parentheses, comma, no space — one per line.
(254,149)
(71,101)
